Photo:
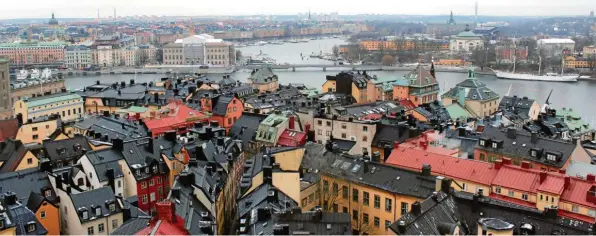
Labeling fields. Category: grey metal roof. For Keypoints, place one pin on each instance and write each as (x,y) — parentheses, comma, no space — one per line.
(24,182)
(132,226)
(70,148)
(221,105)
(263,75)
(246,127)
(385,177)
(21,217)
(473,89)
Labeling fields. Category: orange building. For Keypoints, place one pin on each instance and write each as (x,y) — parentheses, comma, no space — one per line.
(377,45)
(451,62)
(419,86)
(225,109)
(360,86)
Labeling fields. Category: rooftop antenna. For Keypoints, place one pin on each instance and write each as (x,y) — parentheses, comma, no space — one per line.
(97,13)
(476,13)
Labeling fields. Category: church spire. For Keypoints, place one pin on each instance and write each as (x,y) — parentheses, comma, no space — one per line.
(451,20)
(191,29)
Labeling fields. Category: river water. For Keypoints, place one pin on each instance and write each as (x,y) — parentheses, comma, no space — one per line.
(581,95)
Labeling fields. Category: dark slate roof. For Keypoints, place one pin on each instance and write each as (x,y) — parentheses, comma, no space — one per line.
(11,154)
(35,200)
(263,75)
(325,223)
(523,145)
(361,110)
(91,199)
(473,89)
(102,160)
(255,164)
(21,217)
(245,128)
(25,182)
(344,145)
(385,177)
(71,148)
(113,127)
(517,102)
(387,134)
(221,105)
(257,198)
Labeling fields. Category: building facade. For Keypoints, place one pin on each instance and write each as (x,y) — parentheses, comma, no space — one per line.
(69,106)
(78,57)
(173,54)
(5,101)
(466,41)
(27,53)
(556,47)
(201,49)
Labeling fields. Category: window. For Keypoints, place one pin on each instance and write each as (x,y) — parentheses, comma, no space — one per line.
(85,215)
(365,198)
(34,129)
(377,222)
(365,218)
(547,198)
(90,230)
(525,196)
(355,195)
(335,188)
(114,223)
(494,145)
(344,192)
(343,126)
(230,120)
(325,204)
(482,142)
(319,122)
(387,224)
(311,198)
(511,193)
(35,137)
(100,228)
(533,153)
(388,205)
(304,201)
(151,183)
(327,133)
(152,197)
(364,139)
(355,215)
(377,201)
(551,157)
(335,207)
(482,157)
(29,161)
(144,199)
(343,135)
(541,196)
(42,214)
(112,207)
(119,183)
(404,208)
(574,208)
(320,132)
(365,128)
(325,186)
(345,210)
(30,227)
(98,211)
(498,190)
(328,123)
(143,185)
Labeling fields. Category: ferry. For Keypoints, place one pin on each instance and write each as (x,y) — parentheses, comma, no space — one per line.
(35,74)
(22,74)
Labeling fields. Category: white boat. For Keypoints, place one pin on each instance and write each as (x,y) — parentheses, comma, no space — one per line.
(547,77)
(22,74)
(46,74)
(261,43)
(293,41)
(35,74)
(304,40)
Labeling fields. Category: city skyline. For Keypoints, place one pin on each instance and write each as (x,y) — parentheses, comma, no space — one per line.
(73,9)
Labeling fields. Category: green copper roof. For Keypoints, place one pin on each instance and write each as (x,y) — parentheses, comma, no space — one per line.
(133,109)
(457,111)
(40,101)
(573,120)
(34,44)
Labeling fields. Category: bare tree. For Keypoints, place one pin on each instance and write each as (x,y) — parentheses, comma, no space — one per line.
(329,195)
(592,62)
(335,50)
(363,224)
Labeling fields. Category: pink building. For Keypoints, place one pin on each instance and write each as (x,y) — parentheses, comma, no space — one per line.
(34,52)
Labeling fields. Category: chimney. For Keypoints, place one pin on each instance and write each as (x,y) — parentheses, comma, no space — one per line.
(132,82)
(376,156)
(365,166)
(10,198)
(156,98)
(106,113)
(426,170)
(590,178)
(401,227)
(395,145)
(416,208)
(166,211)
(506,161)
(439,183)
(542,176)
(534,137)
(525,164)
(170,136)
(567,182)
(562,171)
(498,164)
(118,144)
(291,124)
(511,133)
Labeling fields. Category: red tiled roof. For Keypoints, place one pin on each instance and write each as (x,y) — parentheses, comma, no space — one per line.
(8,129)
(408,104)
(372,117)
(457,168)
(180,116)
(576,192)
(290,138)
(427,137)
(567,214)
(513,200)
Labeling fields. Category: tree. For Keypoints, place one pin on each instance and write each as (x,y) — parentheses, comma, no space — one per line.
(159,55)
(238,55)
(592,62)
(387,60)
(363,224)
(335,50)
(329,195)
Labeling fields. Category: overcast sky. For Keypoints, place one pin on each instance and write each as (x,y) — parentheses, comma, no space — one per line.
(11,9)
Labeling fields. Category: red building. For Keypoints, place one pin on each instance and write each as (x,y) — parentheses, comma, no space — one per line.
(226,109)
(506,54)
(175,116)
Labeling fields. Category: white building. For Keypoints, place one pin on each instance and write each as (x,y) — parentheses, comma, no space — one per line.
(77,57)
(105,56)
(466,42)
(130,56)
(199,50)
(556,46)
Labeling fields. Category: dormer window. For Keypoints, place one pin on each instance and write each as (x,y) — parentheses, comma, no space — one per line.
(482,143)
(138,172)
(30,227)
(112,207)
(495,145)
(85,215)
(551,157)
(533,153)
(98,211)
(147,170)
(155,169)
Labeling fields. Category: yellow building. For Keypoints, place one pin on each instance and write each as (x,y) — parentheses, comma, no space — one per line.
(374,194)
(451,62)
(378,45)
(68,106)
(38,129)
(573,62)
(589,51)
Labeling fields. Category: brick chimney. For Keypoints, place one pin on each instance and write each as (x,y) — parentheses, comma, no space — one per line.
(498,164)
(543,175)
(166,211)
(506,161)
(525,165)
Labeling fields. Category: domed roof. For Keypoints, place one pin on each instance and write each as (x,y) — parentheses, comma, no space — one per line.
(467,34)
(53,20)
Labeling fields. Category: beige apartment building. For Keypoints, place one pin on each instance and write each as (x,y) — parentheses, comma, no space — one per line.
(5,102)
(352,136)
